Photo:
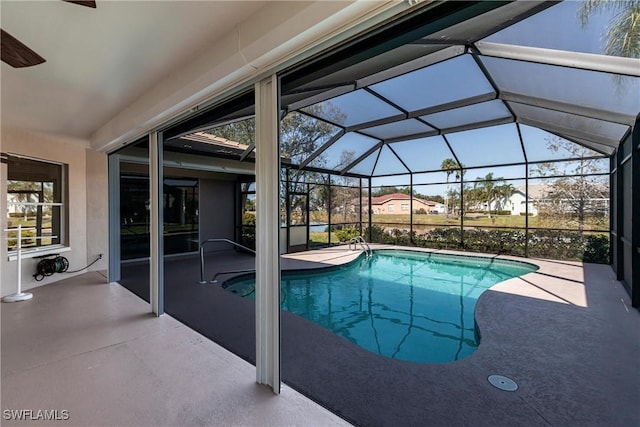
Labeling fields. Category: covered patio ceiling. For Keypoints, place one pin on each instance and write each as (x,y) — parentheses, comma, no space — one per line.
(483,92)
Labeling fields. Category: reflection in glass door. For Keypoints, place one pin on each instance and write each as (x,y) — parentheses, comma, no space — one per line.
(181,198)
(248,214)
(298,222)
(180,215)
(134,217)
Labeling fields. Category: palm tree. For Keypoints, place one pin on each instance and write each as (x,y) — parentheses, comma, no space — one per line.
(449,166)
(622,36)
(504,191)
(490,190)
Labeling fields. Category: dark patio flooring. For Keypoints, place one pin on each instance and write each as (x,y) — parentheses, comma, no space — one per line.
(566,334)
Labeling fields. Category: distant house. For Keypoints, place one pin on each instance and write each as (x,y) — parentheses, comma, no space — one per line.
(517,202)
(539,197)
(13,205)
(594,201)
(398,204)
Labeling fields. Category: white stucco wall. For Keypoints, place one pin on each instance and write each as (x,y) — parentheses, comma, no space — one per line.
(97,208)
(81,208)
(517,201)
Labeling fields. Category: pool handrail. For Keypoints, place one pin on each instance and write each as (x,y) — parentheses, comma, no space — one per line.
(221,240)
(219,273)
(363,243)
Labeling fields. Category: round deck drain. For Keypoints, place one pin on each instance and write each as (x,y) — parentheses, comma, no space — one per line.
(503,383)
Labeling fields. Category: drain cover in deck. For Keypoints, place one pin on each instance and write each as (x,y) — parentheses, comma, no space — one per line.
(503,383)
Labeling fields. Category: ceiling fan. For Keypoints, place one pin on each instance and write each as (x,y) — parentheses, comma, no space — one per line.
(19,55)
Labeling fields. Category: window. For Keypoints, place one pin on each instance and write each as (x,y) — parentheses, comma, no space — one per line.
(35,200)
(391,208)
(404,207)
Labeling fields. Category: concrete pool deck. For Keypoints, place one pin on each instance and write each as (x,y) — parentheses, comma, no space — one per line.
(566,334)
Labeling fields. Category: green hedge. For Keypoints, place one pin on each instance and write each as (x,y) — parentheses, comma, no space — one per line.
(346,234)
(248,218)
(510,242)
(596,249)
(569,245)
(551,244)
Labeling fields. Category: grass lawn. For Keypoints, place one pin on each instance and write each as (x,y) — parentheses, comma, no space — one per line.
(496,220)
(29,222)
(424,221)
(316,237)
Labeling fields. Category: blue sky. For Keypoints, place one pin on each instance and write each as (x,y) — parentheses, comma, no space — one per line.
(557,27)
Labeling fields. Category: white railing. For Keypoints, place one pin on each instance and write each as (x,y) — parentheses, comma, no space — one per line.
(202,280)
(19,295)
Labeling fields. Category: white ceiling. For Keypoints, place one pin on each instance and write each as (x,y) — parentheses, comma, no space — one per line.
(101,60)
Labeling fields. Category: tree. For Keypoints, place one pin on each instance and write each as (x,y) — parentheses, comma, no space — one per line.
(450,166)
(487,191)
(29,192)
(241,131)
(382,191)
(503,193)
(345,198)
(472,197)
(622,37)
(300,136)
(434,197)
(574,190)
(453,197)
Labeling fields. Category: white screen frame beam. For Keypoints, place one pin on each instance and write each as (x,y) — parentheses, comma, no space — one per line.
(156,264)
(267,234)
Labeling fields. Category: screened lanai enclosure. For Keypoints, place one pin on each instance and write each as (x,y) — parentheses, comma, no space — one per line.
(507,128)
(454,141)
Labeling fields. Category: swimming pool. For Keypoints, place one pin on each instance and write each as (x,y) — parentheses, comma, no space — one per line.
(407,305)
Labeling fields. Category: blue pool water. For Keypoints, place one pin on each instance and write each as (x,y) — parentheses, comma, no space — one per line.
(401,304)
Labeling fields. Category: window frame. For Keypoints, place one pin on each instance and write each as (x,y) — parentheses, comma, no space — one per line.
(61,194)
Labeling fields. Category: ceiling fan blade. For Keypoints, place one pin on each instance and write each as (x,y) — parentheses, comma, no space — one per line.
(17,54)
(87,3)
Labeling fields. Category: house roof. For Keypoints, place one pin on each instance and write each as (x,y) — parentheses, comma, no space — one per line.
(536,191)
(542,191)
(398,196)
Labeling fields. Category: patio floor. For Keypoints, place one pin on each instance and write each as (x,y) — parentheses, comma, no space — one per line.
(566,334)
(94,350)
